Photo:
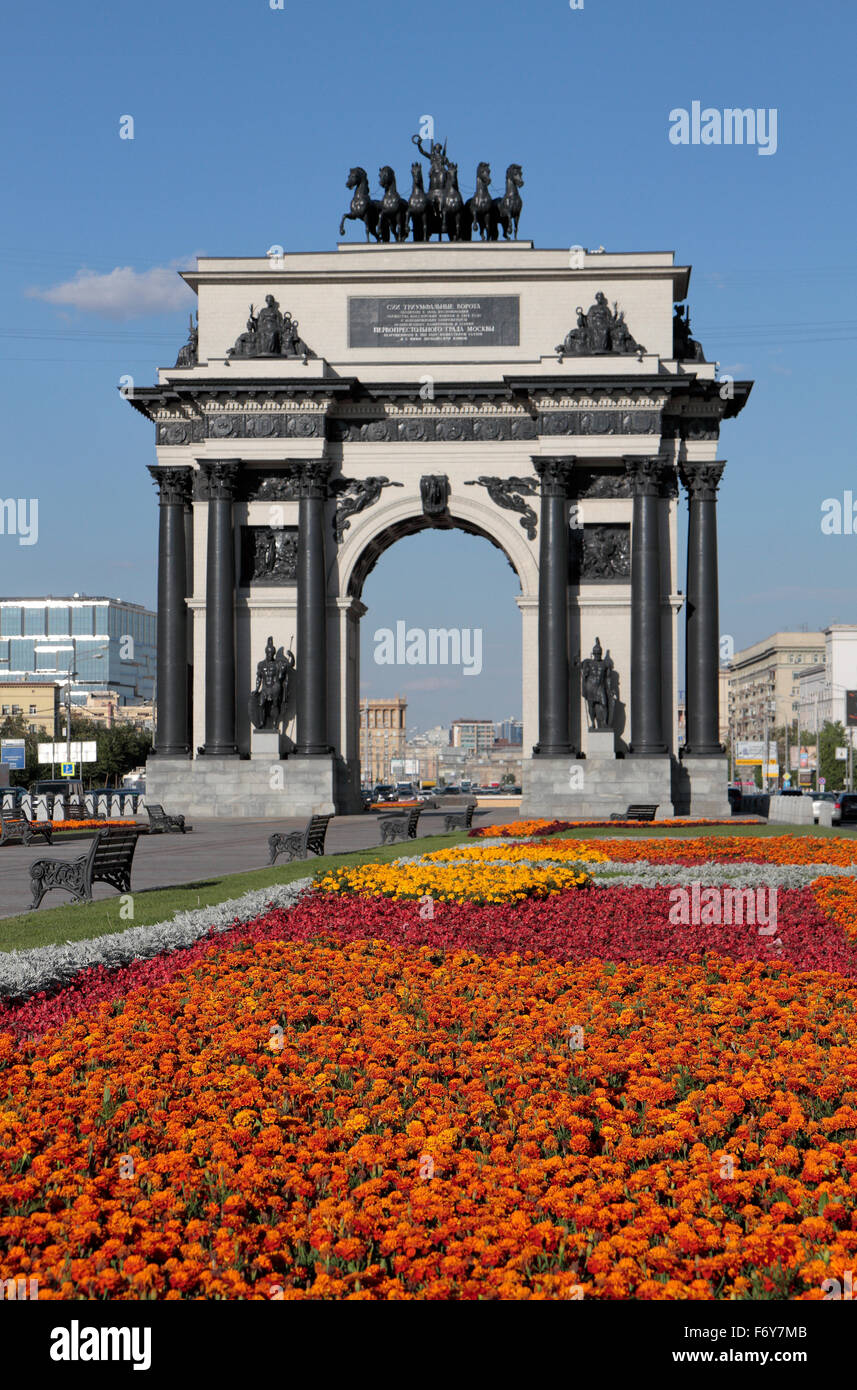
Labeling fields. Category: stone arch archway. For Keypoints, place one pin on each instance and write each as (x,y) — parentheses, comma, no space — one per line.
(369,536)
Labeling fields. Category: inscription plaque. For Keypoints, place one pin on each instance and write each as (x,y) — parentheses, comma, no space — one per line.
(478,321)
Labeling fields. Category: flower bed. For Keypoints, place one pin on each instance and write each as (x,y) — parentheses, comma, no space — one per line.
(484,883)
(750,849)
(88,824)
(578,850)
(452,1077)
(837,898)
(61,825)
(437,1125)
(523,828)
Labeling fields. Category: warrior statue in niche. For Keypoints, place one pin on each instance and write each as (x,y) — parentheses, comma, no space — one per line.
(268,701)
(600,684)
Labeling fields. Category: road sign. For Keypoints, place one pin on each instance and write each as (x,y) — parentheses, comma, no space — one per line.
(841,755)
(822,783)
(13,752)
(67,770)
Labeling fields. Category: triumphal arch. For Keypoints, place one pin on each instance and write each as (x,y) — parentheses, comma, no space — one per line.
(328,403)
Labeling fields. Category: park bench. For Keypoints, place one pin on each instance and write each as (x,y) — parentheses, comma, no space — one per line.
(400,827)
(14,825)
(160,822)
(636,813)
(300,844)
(460,820)
(108,860)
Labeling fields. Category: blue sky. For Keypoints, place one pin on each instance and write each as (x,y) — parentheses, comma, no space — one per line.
(246,122)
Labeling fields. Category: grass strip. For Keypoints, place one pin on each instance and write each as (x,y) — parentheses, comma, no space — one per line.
(76,921)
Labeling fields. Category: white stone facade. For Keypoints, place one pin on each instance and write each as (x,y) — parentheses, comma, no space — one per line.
(387,398)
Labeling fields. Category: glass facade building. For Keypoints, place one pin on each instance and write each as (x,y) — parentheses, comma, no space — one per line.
(109,643)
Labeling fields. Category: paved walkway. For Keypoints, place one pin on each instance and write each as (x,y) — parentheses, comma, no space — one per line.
(215,847)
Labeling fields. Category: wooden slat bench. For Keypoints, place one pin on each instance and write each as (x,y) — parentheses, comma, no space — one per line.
(300,844)
(162,823)
(642,812)
(107,861)
(401,826)
(14,825)
(460,820)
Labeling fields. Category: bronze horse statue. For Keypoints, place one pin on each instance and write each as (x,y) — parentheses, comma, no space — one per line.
(508,208)
(364,208)
(439,208)
(452,206)
(480,208)
(419,208)
(393,208)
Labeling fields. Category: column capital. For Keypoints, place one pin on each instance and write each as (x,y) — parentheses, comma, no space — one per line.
(312,476)
(219,479)
(554,472)
(175,485)
(702,479)
(647,474)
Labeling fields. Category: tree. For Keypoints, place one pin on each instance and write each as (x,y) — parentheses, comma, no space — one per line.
(834,772)
(118,750)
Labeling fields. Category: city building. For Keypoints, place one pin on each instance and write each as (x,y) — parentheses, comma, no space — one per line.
(483,769)
(473,735)
(382,738)
(37,701)
(722,706)
(822,687)
(106,643)
(763,682)
(511,731)
(106,707)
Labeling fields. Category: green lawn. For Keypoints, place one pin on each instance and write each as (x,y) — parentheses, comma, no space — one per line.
(76,921)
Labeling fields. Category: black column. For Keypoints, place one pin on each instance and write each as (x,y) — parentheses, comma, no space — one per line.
(311,672)
(219,478)
(647,735)
(702,645)
(554,734)
(174,486)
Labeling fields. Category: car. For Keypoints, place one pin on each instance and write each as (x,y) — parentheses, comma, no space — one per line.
(406,791)
(844,808)
(791,791)
(384,791)
(52,787)
(817,798)
(450,791)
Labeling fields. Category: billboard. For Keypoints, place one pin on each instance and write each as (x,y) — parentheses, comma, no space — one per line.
(13,752)
(77,752)
(749,751)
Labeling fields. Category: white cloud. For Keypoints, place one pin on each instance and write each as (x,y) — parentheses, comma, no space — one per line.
(123,293)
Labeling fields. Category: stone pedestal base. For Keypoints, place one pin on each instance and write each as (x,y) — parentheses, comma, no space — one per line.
(592,788)
(600,743)
(708,778)
(233,787)
(269,744)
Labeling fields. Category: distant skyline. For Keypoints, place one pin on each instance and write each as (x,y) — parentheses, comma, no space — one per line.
(245,122)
